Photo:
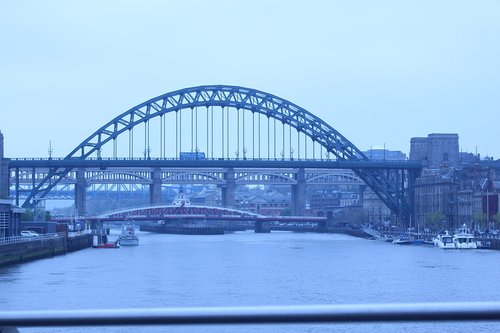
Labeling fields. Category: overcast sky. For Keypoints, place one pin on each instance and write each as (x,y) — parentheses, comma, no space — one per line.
(380,72)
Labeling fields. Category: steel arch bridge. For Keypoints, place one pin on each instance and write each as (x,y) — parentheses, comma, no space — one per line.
(290,129)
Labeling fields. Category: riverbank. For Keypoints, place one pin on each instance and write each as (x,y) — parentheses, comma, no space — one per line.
(23,250)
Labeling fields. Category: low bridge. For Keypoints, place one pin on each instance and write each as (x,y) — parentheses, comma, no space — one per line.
(194,213)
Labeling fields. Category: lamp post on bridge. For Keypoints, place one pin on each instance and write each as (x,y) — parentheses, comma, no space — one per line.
(50,150)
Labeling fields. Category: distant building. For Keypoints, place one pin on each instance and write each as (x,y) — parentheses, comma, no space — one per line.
(272,203)
(438,150)
(324,199)
(349,199)
(374,209)
(468,158)
(418,149)
(435,200)
(10,219)
(446,198)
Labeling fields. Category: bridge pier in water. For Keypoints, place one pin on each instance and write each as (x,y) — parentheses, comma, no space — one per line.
(155,187)
(299,194)
(229,190)
(81,192)
(322,226)
(260,228)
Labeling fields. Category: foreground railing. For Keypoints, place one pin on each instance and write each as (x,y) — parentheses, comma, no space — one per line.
(417,312)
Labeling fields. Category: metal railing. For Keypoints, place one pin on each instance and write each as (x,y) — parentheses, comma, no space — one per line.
(22,239)
(355,313)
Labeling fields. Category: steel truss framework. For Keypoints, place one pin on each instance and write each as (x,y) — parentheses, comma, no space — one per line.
(138,180)
(390,188)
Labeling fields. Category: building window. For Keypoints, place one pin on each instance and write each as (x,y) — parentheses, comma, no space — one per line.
(4,220)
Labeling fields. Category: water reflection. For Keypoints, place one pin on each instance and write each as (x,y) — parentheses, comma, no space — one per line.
(255,269)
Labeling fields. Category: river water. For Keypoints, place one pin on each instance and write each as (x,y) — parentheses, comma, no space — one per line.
(245,268)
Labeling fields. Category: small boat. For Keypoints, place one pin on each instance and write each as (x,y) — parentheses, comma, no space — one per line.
(128,236)
(402,240)
(101,242)
(389,238)
(416,239)
(464,239)
(444,241)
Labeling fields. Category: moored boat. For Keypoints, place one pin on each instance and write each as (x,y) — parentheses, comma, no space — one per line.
(106,246)
(402,240)
(128,236)
(464,239)
(100,241)
(444,241)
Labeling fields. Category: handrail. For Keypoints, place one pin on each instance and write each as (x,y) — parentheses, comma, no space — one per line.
(355,313)
(21,239)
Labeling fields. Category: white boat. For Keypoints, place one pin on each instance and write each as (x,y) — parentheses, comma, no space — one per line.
(402,240)
(128,236)
(444,241)
(464,239)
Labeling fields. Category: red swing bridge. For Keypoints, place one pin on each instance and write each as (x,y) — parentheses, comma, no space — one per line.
(189,216)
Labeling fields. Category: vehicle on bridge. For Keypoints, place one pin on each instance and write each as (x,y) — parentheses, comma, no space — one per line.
(29,233)
(188,156)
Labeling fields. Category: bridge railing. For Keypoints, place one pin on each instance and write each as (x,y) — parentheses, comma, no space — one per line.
(355,313)
(178,159)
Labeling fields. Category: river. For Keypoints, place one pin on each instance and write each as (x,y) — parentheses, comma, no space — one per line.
(245,268)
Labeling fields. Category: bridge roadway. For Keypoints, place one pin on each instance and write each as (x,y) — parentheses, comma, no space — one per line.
(104,163)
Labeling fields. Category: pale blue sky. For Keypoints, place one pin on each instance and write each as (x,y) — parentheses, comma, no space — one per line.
(377,71)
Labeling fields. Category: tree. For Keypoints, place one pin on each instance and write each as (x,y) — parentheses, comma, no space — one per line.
(496,220)
(435,220)
(27,215)
(479,218)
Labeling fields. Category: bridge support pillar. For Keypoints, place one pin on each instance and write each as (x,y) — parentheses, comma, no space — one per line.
(260,228)
(322,226)
(81,193)
(299,194)
(228,191)
(155,187)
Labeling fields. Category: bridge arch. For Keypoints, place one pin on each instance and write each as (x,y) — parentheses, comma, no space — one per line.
(232,98)
(120,175)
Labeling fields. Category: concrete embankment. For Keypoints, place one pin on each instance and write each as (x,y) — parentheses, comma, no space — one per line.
(489,243)
(32,249)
